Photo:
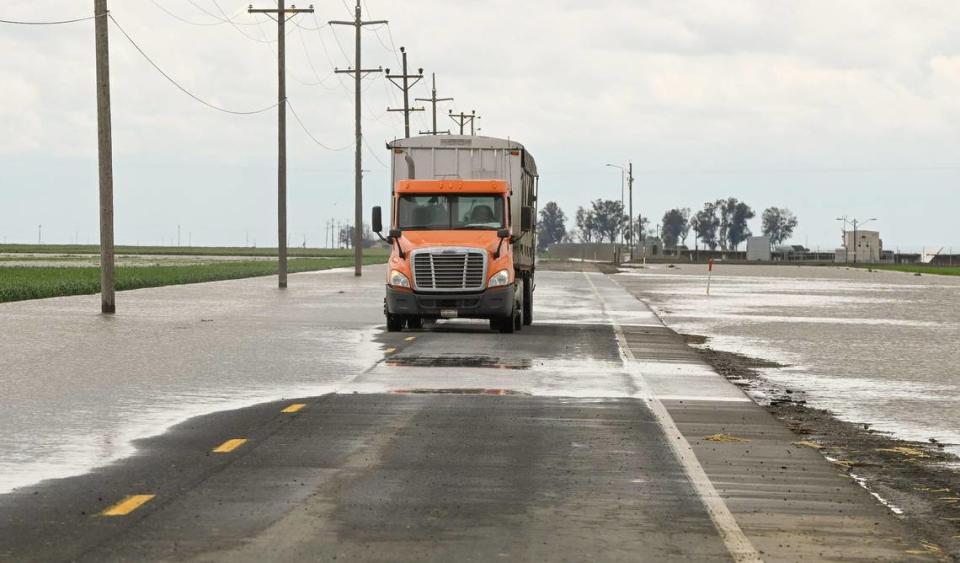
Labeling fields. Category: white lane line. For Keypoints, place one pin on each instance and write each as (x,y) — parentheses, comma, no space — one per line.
(737,543)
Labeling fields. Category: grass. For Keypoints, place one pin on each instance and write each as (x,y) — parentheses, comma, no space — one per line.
(916,268)
(22,283)
(185,250)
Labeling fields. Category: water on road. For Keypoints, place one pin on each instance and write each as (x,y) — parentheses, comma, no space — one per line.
(873,347)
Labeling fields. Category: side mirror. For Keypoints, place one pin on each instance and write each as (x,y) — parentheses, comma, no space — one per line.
(377,220)
(504,234)
(395,233)
(526,219)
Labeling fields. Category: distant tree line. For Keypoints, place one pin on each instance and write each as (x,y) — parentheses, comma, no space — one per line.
(722,224)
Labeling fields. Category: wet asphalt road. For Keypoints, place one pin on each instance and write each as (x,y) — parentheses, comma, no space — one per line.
(581,438)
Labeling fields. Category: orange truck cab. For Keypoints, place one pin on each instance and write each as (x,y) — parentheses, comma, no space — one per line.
(462,232)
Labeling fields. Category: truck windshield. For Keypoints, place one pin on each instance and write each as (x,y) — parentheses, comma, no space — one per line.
(446,212)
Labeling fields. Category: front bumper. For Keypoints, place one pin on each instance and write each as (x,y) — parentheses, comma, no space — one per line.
(494,302)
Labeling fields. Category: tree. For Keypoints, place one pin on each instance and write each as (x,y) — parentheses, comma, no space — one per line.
(739,231)
(676,225)
(586,225)
(552,226)
(706,223)
(345,236)
(733,217)
(778,224)
(608,218)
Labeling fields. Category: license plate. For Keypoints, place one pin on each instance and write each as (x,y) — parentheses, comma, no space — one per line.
(448,313)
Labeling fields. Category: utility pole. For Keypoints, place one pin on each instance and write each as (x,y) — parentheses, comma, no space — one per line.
(104,157)
(405,86)
(633,238)
(281,14)
(433,99)
(39,235)
(178,235)
(358,73)
(462,119)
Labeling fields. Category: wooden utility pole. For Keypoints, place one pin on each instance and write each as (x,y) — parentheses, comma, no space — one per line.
(405,86)
(633,234)
(433,99)
(462,119)
(104,158)
(358,73)
(281,14)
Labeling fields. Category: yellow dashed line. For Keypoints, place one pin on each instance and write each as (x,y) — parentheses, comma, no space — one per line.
(410,338)
(296,407)
(229,445)
(127,505)
(389,350)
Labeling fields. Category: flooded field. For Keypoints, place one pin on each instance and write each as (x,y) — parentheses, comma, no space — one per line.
(37,260)
(875,347)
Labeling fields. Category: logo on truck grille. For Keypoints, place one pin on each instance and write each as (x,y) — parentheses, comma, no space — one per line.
(449,269)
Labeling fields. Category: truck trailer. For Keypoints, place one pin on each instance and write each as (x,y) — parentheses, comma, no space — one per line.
(462,231)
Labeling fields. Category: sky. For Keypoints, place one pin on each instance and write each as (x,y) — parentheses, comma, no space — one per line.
(829,108)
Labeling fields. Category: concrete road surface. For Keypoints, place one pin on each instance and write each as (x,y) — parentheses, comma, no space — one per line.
(233,421)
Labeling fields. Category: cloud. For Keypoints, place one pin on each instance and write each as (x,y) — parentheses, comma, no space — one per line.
(696,85)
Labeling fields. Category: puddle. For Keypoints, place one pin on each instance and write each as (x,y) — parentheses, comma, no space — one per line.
(498,392)
(459,361)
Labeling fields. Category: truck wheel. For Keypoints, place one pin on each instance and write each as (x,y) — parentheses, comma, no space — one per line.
(394,323)
(518,314)
(415,322)
(527,301)
(504,325)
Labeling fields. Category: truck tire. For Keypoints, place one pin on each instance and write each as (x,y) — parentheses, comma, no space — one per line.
(527,300)
(394,323)
(505,325)
(414,322)
(518,313)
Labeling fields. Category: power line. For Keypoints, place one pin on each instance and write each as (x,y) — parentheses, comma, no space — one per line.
(225,18)
(313,68)
(177,84)
(373,153)
(55,22)
(296,116)
(184,20)
(240,31)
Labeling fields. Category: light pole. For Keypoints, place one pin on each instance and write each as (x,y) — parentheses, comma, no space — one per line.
(623,172)
(857,224)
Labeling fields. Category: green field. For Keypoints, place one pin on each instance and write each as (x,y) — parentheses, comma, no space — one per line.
(916,269)
(21,283)
(185,250)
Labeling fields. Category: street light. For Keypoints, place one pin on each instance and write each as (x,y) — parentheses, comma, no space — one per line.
(623,172)
(857,224)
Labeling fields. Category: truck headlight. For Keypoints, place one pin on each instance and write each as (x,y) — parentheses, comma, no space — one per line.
(500,278)
(399,280)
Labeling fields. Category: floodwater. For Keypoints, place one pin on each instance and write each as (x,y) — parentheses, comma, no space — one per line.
(874,347)
(80,388)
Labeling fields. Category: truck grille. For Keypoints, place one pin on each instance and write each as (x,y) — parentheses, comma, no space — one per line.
(449,270)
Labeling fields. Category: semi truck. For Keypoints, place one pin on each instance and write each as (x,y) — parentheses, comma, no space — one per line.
(462,231)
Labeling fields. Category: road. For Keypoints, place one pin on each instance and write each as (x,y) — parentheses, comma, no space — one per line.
(233,421)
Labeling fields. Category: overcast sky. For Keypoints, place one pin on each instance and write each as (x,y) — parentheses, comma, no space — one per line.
(825,107)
